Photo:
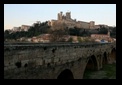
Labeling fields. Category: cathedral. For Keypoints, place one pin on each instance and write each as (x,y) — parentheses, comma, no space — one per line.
(71,23)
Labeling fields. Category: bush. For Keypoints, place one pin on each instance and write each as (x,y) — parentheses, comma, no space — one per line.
(79,39)
(70,39)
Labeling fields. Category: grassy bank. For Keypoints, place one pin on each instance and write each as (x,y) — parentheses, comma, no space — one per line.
(107,72)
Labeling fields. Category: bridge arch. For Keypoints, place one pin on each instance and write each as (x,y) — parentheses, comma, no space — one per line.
(113,55)
(104,60)
(92,63)
(66,74)
(73,61)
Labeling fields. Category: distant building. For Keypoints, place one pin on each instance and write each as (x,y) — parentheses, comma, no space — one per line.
(103,37)
(44,38)
(71,23)
(22,28)
(103,26)
(25,27)
(99,36)
(15,29)
(34,39)
(97,26)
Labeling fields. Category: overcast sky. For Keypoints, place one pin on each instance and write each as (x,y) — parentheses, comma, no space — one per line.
(16,15)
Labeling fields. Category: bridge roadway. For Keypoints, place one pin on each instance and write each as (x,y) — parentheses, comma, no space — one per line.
(55,60)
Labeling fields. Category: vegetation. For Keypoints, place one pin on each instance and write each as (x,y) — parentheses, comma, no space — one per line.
(57,35)
(110,70)
(103,30)
(78,32)
(79,39)
(35,30)
(70,39)
(113,32)
(107,72)
(61,29)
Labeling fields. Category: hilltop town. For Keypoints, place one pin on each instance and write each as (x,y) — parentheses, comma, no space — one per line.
(71,23)
(64,29)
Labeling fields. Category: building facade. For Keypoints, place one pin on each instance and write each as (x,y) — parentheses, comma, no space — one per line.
(99,37)
(25,27)
(22,28)
(71,23)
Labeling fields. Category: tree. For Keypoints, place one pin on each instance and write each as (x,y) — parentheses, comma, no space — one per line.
(79,39)
(74,31)
(6,33)
(103,31)
(70,39)
(35,30)
(57,35)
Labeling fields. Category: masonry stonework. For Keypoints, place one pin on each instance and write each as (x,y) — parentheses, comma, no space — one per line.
(48,61)
(70,23)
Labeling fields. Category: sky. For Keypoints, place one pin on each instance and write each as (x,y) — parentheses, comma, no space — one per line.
(16,15)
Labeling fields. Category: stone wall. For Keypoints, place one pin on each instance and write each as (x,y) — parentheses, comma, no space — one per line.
(25,58)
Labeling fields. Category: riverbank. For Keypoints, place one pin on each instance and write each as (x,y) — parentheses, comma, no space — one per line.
(107,72)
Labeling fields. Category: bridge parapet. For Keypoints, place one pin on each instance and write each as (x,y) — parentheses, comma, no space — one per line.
(49,55)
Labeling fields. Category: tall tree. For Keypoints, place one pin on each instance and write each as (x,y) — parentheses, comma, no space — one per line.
(57,35)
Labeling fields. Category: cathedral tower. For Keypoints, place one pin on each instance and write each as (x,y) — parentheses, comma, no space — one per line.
(92,23)
(68,15)
(60,16)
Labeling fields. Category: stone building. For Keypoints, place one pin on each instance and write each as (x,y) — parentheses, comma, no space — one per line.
(15,29)
(25,27)
(71,23)
(21,28)
(102,37)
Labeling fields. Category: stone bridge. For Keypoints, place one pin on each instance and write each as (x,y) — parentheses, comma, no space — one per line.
(55,61)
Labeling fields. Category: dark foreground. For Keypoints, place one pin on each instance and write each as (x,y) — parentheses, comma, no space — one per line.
(107,72)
